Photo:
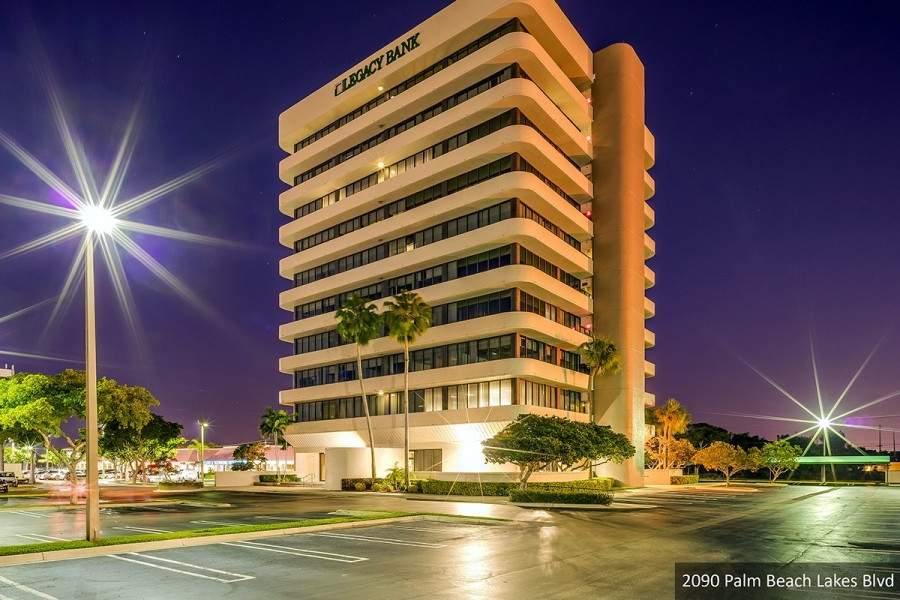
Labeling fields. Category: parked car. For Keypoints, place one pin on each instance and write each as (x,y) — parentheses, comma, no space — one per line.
(3,488)
(9,478)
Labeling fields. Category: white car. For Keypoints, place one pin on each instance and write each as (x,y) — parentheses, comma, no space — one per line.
(8,478)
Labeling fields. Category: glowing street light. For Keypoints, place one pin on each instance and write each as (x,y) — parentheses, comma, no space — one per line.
(98,212)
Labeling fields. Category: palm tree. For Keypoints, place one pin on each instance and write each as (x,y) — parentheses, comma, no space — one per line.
(359,323)
(274,422)
(407,317)
(670,419)
(602,358)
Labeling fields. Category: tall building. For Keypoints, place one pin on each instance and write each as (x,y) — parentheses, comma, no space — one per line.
(490,161)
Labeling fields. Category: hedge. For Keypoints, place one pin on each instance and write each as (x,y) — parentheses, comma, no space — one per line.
(559,496)
(684,479)
(502,488)
(180,484)
(466,488)
(349,485)
(285,477)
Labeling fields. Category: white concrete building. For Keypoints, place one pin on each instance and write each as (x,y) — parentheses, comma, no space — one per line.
(490,161)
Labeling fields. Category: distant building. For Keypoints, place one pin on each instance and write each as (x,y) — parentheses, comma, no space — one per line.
(491,161)
(221,459)
(7,371)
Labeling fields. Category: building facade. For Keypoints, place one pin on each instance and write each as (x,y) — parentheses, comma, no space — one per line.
(491,162)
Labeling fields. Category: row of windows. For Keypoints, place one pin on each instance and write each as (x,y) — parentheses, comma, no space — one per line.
(449,397)
(510,117)
(429,194)
(498,257)
(510,72)
(463,267)
(527,257)
(461,353)
(512,162)
(533,304)
(508,27)
(527,213)
(443,314)
(503,392)
(408,243)
(438,357)
(464,310)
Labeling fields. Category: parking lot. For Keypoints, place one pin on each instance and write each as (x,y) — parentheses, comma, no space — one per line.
(535,554)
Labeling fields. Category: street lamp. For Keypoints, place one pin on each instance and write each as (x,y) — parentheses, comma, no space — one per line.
(97,221)
(203,426)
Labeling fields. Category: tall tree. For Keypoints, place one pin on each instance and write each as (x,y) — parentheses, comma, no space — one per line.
(273,423)
(670,419)
(46,403)
(602,358)
(359,323)
(407,317)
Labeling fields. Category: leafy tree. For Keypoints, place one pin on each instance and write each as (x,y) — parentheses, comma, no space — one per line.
(407,317)
(273,423)
(252,454)
(728,459)
(359,323)
(602,358)
(534,442)
(670,419)
(154,442)
(679,453)
(780,456)
(46,403)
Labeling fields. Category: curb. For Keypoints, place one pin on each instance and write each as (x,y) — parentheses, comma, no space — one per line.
(618,507)
(57,555)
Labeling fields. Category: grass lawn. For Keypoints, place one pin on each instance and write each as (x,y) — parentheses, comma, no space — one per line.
(193,533)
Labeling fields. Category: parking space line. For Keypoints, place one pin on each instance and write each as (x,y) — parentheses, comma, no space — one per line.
(25,588)
(236,576)
(159,508)
(143,529)
(431,529)
(379,540)
(223,523)
(26,513)
(305,552)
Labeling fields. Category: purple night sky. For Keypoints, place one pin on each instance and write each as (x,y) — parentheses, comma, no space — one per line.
(777,210)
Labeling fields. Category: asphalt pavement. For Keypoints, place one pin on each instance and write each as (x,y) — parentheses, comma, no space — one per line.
(535,554)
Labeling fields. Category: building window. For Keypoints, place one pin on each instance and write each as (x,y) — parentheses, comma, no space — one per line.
(428,460)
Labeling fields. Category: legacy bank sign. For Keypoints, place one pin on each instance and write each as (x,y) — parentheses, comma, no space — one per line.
(376,64)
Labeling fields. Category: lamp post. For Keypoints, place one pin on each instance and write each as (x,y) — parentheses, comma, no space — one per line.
(97,221)
(203,426)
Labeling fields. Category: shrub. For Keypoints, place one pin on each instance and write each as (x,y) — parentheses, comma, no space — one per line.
(559,496)
(465,488)
(285,477)
(359,486)
(684,479)
(179,484)
(241,466)
(349,485)
(597,484)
